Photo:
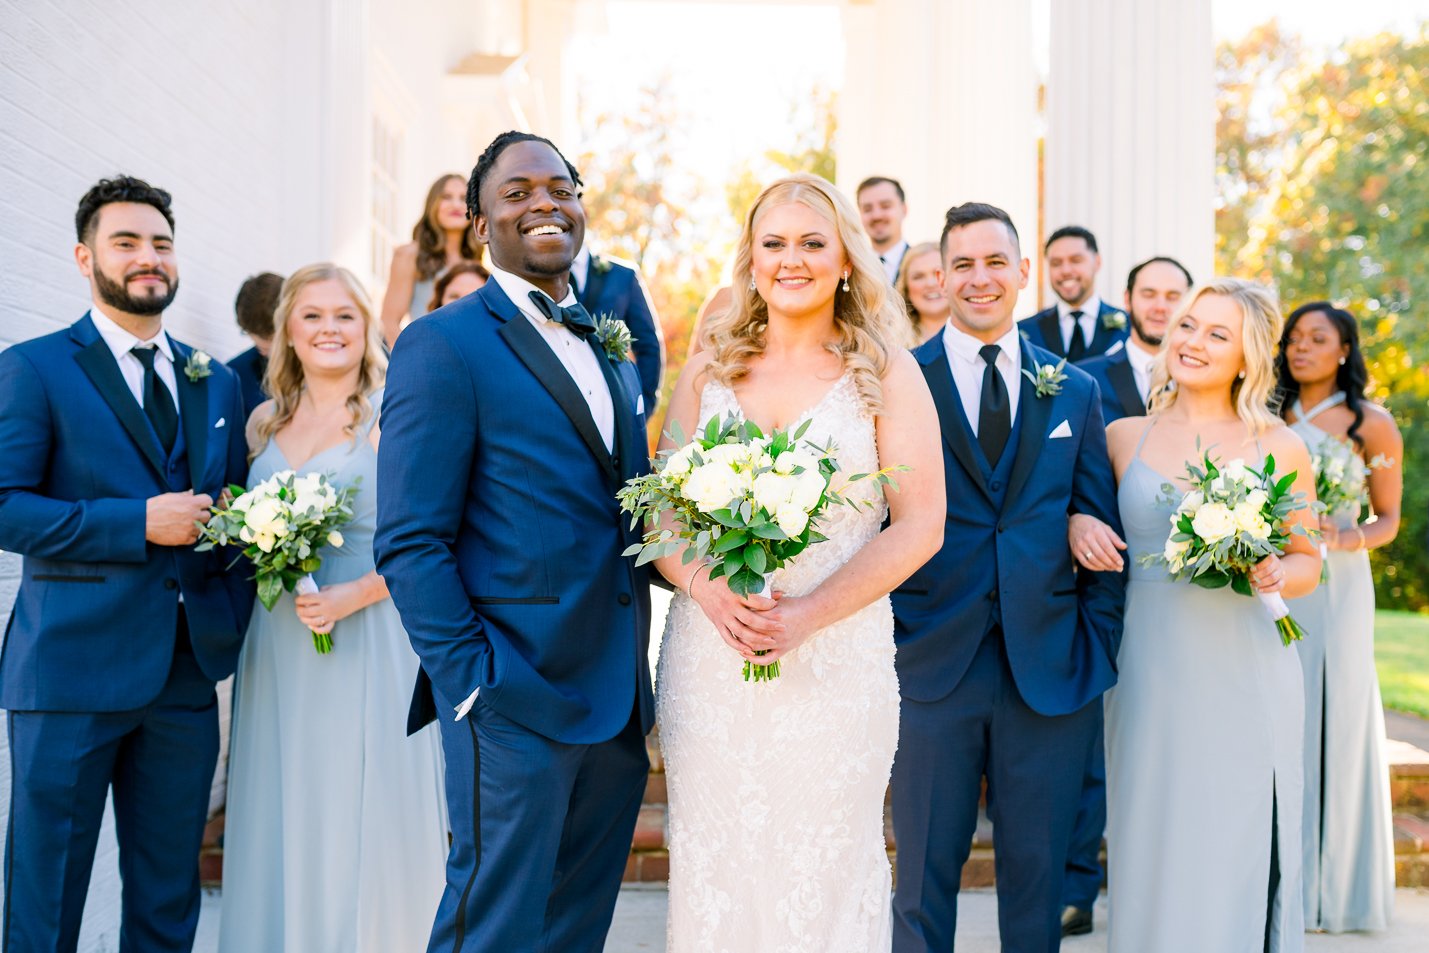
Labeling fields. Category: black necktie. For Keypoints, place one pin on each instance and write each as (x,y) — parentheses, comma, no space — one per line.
(1078,348)
(994,414)
(576,317)
(158,402)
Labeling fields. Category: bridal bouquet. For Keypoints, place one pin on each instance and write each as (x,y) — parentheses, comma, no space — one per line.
(747,501)
(281,524)
(1231,518)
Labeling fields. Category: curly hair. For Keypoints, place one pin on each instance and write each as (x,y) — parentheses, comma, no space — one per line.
(1352,377)
(492,153)
(869,318)
(121,188)
(1252,396)
(431,238)
(285,380)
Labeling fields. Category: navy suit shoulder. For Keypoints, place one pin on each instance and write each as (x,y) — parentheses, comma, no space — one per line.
(613,287)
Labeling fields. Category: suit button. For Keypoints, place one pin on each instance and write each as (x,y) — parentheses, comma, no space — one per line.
(996,486)
(1001,528)
(623,598)
(992,595)
(171,584)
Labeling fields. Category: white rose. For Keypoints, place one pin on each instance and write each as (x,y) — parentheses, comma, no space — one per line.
(1235,470)
(246,534)
(772,490)
(808,487)
(242,501)
(791,519)
(1248,520)
(711,487)
(264,515)
(729,454)
(678,464)
(1190,503)
(1175,552)
(1256,498)
(265,541)
(1213,522)
(334,539)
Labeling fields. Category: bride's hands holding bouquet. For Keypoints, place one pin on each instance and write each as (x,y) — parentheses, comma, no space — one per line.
(742,622)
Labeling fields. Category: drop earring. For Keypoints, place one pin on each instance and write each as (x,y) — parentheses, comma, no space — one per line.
(752,285)
(846,290)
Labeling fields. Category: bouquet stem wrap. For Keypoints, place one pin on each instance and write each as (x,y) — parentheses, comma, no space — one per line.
(1279,612)
(762,673)
(308,586)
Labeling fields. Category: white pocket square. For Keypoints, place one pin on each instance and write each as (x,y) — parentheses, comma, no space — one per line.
(639,404)
(222,421)
(1063,429)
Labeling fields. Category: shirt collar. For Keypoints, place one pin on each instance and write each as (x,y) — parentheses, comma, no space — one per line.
(120,341)
(967,348)
(1137,355)
(580,267)
(1092,307)
(519,290)
(896,252)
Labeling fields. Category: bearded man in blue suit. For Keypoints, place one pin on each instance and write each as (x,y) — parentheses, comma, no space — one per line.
(1004,649)
(114,440)
(507,429)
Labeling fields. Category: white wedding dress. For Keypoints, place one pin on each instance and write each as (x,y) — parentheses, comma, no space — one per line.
(776,788)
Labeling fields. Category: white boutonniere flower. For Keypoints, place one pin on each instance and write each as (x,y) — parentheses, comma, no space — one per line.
(1047,379)
(614,338)
(599,264)
(196,368)
(1114,320)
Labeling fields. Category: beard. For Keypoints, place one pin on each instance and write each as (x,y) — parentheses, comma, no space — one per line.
(1140,328)
(116,293)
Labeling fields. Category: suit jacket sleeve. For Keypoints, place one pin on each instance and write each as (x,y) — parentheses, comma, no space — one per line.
(424,464)
(649,345)
(33,524)
(1101,595)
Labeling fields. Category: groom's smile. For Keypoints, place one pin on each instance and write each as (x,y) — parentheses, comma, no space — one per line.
(531,215)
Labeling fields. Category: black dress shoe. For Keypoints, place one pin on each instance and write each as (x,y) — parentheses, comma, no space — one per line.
(1076,921)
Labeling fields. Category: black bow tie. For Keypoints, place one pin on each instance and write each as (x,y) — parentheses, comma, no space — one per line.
(576,317)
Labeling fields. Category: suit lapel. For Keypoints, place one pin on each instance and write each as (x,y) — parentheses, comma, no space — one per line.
(1034,412)
(950,413)
(542,362)
(97,362)
(594,284)
(193,411)
(625,443)
(1123,382)
(1103,336)
(1051,329)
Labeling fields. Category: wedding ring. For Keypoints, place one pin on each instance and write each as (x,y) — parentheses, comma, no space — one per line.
(1088,554)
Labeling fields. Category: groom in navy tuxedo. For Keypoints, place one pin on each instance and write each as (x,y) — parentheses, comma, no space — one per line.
(507,429)
(1004,649)
(114,440)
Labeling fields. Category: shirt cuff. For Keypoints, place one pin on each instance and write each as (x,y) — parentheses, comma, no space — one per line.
(464,707)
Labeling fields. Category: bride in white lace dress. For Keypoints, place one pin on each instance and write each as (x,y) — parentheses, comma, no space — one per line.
(776,788)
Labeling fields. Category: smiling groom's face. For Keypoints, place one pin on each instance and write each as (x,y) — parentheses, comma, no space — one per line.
(531,216)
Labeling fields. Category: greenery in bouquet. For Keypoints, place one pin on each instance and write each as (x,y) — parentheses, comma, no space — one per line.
(1231,517)
(744,501)
(281,525)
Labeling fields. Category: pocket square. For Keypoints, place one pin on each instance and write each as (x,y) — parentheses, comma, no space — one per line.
(639,404)
(222,421)
(1063,429)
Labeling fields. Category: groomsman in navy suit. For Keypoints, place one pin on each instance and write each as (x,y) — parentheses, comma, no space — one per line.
(608,286)
(1154,289)
(1080,325)
(882,208)
(1004,649)
(114,440)
(507,429)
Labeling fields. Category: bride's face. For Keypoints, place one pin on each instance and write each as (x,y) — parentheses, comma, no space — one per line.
(1204,349)
(797,260)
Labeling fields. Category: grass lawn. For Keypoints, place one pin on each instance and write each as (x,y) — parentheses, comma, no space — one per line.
(1401,654)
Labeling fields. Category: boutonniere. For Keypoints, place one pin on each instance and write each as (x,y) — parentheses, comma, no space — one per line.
(614,338)
(1046,379)
(599,264)
(1114,320)
(196,368)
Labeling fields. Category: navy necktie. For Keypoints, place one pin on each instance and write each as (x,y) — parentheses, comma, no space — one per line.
(576,317)
(994,413)
(158,402)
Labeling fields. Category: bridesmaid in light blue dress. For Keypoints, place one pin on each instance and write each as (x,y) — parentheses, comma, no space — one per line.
(1348,826)
(441,238)
(336,829)
(1204,725)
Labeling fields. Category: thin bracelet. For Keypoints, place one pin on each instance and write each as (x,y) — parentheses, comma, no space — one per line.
(690,586)
(1359,529)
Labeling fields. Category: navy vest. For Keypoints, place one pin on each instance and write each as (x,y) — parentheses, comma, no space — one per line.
(996,480)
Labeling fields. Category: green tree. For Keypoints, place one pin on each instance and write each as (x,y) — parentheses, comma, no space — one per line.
(1339,209)
(813,150)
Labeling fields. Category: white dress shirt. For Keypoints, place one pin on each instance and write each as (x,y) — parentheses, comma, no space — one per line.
(580,268)
(893,260)
(120,342)
(576,355)
(965,358)
(579,360)
(1091,312)
(1141,361)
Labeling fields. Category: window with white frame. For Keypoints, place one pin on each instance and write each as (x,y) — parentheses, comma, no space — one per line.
(386,169)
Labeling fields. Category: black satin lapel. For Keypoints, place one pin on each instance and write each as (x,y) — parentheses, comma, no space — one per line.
(193,411)
(1051,329)
(1124,383)
(950,415)
(537,355)
(1034,412)
(594,285)
(97,361)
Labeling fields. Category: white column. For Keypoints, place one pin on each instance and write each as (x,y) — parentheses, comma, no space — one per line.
(1131,135)
(942,95)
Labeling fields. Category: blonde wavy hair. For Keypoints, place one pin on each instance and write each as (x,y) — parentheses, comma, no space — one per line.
(870,319)
(285,379)
(901,286)
(1253,395)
